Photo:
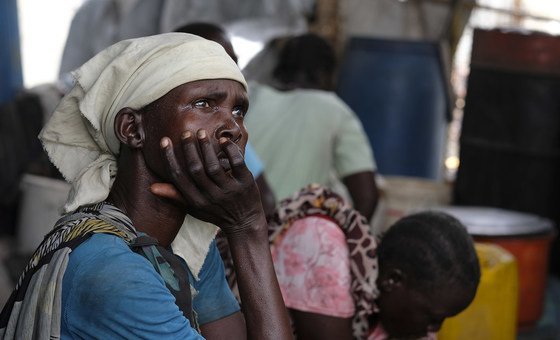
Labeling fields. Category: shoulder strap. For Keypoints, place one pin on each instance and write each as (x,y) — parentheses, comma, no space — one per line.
(173,272)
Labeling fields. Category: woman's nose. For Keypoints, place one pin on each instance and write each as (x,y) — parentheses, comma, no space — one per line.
(230,129)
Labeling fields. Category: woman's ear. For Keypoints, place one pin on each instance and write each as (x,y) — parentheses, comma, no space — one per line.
(129,129)
(393,279)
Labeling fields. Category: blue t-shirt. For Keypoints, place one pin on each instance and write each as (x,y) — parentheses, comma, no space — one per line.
(109,292)
(253,162)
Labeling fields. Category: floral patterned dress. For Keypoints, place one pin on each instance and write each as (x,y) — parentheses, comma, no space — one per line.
(312,264)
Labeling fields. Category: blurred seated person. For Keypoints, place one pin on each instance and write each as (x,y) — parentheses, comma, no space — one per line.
(216,33)
(146,115)
(304,133)
(338,283)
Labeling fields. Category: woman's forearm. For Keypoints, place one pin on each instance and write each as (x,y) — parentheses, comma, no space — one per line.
(265,314)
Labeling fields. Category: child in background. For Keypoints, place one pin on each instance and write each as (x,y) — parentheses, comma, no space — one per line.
(428,271)
(338,283)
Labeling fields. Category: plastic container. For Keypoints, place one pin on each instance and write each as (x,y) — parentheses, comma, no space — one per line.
(401,196)
(41,206)
(493,312)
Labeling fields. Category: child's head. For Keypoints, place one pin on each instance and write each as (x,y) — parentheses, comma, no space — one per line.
(428,271)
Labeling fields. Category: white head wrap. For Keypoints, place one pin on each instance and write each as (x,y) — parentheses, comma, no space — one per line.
(80,138)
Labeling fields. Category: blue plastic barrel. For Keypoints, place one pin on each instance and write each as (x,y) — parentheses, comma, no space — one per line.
(398,90)
(10,61)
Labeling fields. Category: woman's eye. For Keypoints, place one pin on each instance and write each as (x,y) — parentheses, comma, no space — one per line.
(238,111)
(201,103)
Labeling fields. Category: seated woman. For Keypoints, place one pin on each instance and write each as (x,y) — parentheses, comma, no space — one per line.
(146,115)
(339,284)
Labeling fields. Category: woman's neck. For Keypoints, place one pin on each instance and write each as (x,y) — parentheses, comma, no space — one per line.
(150,214)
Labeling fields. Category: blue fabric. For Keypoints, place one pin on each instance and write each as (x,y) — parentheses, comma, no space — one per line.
(110,292)
(213,299)
(253,162)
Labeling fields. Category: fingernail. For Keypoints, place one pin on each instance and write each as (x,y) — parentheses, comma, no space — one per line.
(186,134)
(201,133)
(164,142)
(222,140)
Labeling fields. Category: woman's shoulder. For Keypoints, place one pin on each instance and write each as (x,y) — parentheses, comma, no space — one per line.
(311,261)
(106,258)
(99,246)
(109,291)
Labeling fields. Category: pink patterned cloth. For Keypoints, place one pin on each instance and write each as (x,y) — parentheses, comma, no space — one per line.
(312,263)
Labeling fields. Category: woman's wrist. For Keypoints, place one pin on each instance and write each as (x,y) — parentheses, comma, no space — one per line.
(251,229)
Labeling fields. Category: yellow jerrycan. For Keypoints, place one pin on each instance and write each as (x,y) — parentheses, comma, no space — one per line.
(493,313)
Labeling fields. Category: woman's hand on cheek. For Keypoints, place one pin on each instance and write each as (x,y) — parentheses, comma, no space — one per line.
(228,198)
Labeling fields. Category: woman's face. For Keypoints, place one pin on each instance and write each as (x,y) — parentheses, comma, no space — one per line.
(409,314)
(217,106)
